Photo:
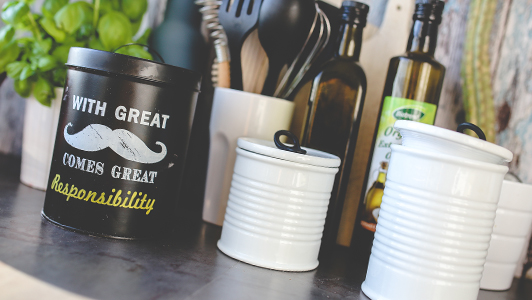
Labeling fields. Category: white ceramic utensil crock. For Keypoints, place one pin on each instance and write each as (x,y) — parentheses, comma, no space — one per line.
(237,114)
(509,239)
(436,216)
(277,206)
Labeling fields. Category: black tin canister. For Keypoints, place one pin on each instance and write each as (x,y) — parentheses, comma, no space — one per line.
(121,144)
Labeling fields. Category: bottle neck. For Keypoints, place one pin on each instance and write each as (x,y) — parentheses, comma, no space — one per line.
(349,41)
(423,37)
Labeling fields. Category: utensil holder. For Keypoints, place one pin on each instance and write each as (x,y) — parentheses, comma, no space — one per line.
(237,114)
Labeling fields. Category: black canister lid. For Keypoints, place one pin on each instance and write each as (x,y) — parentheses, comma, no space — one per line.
(133,67)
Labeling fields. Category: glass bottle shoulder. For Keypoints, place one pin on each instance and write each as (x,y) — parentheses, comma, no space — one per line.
(345,69)
(415,76)
(420,59)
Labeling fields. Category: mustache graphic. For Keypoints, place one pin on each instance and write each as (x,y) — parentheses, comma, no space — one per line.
(96,137)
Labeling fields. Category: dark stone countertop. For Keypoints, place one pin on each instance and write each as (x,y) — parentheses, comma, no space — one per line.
(185,265)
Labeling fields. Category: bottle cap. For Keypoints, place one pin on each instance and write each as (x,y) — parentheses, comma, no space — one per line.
(355,12)
(430,10)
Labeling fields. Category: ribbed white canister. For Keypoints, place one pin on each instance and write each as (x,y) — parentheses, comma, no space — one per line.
(509,239)
(277,206)
(436,217)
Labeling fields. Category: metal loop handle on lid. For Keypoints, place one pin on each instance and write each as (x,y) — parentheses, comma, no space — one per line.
(472,127)
(150,49)
(296,148)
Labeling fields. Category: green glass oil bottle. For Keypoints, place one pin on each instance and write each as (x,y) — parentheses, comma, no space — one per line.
(335,105)
(411,92)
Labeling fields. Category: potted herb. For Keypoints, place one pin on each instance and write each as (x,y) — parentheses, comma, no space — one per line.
(34,49)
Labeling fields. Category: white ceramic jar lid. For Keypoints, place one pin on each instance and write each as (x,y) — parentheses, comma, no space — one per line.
(439,140)
(268,148)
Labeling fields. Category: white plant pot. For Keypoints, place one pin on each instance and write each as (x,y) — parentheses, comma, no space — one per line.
(40,126)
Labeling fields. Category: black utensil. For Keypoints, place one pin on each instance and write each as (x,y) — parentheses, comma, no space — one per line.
(238,20)
(283,28)
(333,13)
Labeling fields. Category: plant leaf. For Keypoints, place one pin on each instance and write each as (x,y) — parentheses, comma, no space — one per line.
(107,6)
(70,39)
(48,25)
(84,32)
(23,87)
(135,26)
(46,63)
(61,53)
(50,7)
(6,35)
(43,91)
(135,50)
(114,29)
(42,47)
(143,39)
(59,76)
(70,17)
(7,4)
(15,68)
(13,12)
(9,53)
(116,5)
(134,9)
(95,43)
(26,72)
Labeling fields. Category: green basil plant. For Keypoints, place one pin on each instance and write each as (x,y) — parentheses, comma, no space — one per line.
(34,47)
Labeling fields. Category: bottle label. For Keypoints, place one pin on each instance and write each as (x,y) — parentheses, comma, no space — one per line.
(393,109)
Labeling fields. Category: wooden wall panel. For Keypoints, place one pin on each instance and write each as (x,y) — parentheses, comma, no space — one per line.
(512,88)
(449,52)
(11,119)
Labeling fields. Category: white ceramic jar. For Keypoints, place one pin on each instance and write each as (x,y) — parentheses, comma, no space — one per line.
(277,206)
(509,240)
(436,216)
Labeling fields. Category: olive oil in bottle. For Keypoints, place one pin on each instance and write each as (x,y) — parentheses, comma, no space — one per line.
(373,199)
(411,92)
(335,105)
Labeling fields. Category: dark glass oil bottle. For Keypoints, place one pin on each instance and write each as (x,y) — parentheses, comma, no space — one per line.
(411,92)
(335,104)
